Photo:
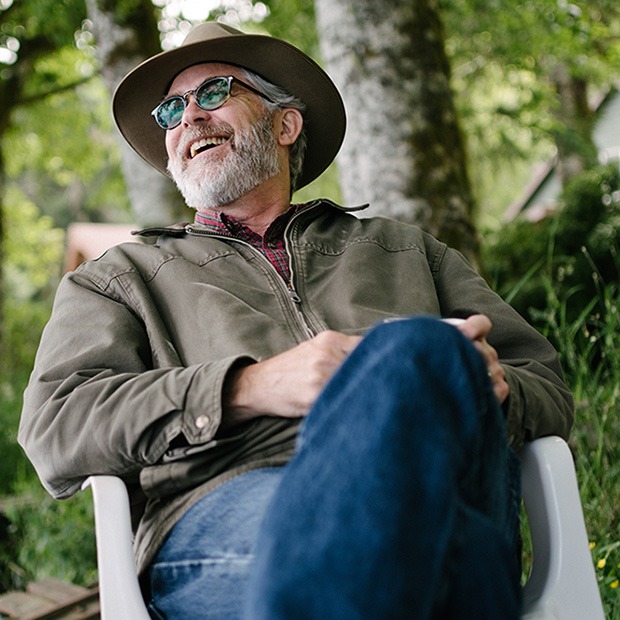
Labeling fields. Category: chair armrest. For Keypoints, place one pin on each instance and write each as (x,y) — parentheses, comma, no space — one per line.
(119,590)
(562,583)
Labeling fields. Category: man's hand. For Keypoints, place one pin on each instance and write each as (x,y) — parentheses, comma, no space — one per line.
(287,384)
(476,328)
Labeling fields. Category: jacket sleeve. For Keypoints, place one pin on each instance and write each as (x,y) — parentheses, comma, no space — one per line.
(98,401)
(539,403)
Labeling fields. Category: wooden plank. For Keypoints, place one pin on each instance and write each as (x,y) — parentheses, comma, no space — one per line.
(22,604)
(50,599)
(57,591)
(85,610)
(83,607)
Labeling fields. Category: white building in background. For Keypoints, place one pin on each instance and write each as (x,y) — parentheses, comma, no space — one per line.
(540,196)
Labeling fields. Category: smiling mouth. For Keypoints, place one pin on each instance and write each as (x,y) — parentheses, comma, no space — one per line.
(205,144)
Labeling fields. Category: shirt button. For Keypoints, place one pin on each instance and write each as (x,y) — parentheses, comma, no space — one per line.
(201,421)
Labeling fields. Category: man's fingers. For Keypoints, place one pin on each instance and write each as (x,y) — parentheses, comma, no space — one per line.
(476,327)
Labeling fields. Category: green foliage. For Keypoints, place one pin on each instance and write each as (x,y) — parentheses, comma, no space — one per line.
(33,254)
(562,274)
(533,36)
(24,322)
(38,536)
(573,253)
(60,69)
(593,373)
(55,19)
(34,250)
(123,10)
(294,21)
(595,440)
(506,58)
(56,538)
(30,30)
(70,165)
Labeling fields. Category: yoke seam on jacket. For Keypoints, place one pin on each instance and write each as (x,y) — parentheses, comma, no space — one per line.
(360,241)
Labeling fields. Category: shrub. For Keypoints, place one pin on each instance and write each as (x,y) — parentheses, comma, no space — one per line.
(570,256)
(51,538)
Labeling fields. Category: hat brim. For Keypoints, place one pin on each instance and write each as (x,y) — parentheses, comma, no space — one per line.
(273,59)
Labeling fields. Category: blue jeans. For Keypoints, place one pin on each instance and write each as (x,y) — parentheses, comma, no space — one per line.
(202,569)
(401,501)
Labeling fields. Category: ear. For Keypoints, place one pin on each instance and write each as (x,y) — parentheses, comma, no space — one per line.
(288,126)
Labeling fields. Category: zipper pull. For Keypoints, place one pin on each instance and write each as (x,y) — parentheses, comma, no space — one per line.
(294,296)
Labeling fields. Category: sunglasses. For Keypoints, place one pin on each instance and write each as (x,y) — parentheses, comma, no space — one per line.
(210,95)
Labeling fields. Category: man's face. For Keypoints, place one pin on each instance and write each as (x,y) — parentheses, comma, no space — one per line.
(217,156)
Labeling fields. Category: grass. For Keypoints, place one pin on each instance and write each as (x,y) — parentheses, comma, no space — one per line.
(590,352)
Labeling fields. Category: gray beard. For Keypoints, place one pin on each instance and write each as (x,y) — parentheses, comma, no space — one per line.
(252,161)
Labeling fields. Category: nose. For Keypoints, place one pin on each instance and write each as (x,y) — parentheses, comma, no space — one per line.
(193,113)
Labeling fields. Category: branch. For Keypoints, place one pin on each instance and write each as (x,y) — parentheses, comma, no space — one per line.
(53,91)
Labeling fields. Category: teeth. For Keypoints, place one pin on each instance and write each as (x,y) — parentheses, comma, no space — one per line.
(198,146)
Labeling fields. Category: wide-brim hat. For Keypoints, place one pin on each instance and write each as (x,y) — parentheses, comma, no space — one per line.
(273,59)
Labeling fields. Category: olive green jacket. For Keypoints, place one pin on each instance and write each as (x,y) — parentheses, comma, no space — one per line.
(129,373)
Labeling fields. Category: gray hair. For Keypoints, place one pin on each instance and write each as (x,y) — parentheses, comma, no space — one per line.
(282,99)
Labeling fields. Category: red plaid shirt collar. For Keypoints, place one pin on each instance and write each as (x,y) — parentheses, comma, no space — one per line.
(271,245)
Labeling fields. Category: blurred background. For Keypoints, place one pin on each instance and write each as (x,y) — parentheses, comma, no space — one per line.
(493,124)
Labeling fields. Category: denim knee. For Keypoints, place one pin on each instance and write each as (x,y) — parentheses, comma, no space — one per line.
(416,329)
(425,338)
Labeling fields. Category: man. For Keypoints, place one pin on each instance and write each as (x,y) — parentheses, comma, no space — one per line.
(294,445)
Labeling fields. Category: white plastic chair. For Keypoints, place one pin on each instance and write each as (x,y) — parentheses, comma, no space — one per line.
(562,584)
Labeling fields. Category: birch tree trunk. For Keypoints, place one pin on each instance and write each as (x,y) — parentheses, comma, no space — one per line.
(404,151)
(121,44)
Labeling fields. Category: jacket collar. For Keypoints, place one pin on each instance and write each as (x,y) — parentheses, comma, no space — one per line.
(181,229)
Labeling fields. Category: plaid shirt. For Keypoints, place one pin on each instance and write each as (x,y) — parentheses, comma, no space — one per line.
(272,245)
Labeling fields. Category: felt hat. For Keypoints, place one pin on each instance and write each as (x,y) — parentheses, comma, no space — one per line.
(273,59)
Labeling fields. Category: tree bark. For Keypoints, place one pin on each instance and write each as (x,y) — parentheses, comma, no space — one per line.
(124,39)
(404,151)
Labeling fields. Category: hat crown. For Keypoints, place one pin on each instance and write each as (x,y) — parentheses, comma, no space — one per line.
(209,31)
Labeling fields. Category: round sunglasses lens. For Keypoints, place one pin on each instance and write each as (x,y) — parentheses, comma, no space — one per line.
(213,93)
(170,112)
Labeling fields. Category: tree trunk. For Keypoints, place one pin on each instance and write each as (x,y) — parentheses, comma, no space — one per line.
(404,152)
(575,123)
(121,46)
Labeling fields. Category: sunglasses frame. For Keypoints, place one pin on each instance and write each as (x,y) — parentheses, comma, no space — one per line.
(229,79)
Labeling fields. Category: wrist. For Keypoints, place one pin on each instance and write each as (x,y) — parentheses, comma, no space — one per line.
(236,402)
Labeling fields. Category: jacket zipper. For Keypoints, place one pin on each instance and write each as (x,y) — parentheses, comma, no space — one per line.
(290,289)
(289,227)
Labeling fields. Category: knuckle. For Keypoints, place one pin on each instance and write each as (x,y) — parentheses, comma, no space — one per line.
(326,337)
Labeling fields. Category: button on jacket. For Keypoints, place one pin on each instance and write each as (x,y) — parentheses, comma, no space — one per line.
(129,374)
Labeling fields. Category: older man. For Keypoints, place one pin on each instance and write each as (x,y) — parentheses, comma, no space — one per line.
(186,367)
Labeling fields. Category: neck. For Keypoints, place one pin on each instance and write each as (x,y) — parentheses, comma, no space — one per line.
(260,206)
